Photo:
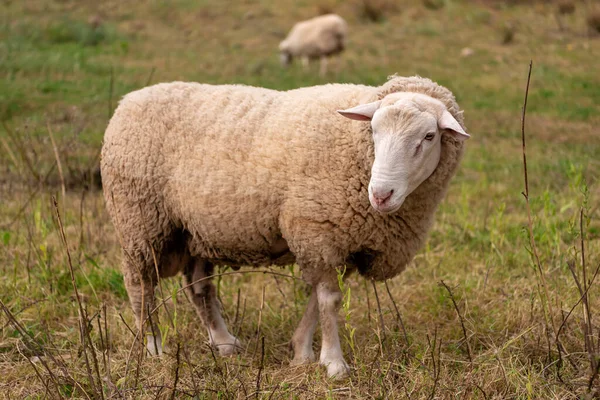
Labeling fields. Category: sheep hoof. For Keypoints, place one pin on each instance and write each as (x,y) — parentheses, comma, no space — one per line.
(337,369)
(228,347)
(302,359)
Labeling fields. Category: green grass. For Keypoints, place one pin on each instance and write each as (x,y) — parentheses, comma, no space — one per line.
(59,73)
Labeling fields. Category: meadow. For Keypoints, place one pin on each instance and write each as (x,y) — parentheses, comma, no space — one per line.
(502,303)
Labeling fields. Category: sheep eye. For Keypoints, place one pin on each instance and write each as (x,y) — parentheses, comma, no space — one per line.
(430,136)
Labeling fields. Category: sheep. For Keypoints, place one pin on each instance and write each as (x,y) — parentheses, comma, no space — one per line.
(318,37)
(196,176)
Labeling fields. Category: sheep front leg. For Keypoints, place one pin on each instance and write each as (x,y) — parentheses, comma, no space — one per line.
(141,296)
(305,61)
(202,293)
(303,336)
(329,298)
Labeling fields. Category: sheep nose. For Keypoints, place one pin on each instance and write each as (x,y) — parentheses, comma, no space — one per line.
(381,196)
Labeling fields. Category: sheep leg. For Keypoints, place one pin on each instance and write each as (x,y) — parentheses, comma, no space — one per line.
(305,62)
(323,66)
(303,336)
(330,298)
(203,296)
(141,296)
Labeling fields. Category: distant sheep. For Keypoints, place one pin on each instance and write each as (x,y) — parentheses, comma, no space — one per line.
(197,175)
(319,37)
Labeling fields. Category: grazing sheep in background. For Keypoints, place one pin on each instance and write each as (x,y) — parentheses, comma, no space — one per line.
(198,175)
(319,37)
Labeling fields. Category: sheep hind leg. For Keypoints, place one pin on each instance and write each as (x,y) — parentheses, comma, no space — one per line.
(323,67)
(329,298)
(203,295)
(303,336)
(141,296)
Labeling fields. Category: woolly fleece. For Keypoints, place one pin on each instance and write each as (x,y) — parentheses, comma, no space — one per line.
(238,175)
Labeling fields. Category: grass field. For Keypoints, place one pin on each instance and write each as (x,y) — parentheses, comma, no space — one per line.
(512,321)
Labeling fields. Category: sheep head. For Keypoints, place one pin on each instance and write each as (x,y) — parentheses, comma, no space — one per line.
(285,56)
(407,129)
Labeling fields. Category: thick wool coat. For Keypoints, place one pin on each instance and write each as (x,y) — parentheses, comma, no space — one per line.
(240,176)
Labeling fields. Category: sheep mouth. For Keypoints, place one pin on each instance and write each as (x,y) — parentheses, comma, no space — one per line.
(388,208)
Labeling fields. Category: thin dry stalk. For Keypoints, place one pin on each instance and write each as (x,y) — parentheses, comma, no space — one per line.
(371,369)
(31,304)
(279,289)
(506,384)
(58,164)
(107,350)
(547,305)
(11,155)
(37,373)
(83,322)
(587,315)
(593,376)
(127,325)
(368,302)
(274,391)
(435,364)
(485,396)
(38,350)
(260,311)
(110,91)
(260,366)
(22,152)
(32,195)
(102,342)
(89,168)
(238,328)
(80,246)
(588,329)
(150,76)
(35,248)
(237,308)
(381,324)
(398,316)
(176,378)
(137,341)
(219,371)
(462,322)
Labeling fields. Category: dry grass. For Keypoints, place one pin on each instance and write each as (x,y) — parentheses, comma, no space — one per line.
(375,10)
(505,323)
(565,7)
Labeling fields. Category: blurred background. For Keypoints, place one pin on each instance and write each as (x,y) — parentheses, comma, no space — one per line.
(67,63)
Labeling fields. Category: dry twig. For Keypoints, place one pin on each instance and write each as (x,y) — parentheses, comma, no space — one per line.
(462,322)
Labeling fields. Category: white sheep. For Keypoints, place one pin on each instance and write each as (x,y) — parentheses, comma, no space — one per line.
(198,175)
(319,37)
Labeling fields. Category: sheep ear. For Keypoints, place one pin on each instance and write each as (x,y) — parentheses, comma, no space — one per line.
(363,112)
(447,121)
